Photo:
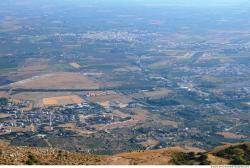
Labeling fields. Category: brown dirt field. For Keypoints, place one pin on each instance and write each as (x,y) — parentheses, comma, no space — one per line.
(33,68)
(19,129)
(217,160)
(160,92)
(4,94)
(157,93)
(143,115)
(18,155)
(105,98)
(72,127)
(115,125)
(226,145)
(46,156)
(28,108)
(150,157)
(62,100)
(4,115)
(231,135)
(167,122)
(149,142)
(22,75)
(37,97)
(119,114)
(60,80)
(140,114)
(34,64)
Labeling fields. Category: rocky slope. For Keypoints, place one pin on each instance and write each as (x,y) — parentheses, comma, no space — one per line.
(11,155)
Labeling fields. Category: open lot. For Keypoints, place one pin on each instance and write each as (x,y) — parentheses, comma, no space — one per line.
(60,80)
(38,97)
(231,135)
(158,93)
(62,100)
(112,97)
(34,64)
(4,115)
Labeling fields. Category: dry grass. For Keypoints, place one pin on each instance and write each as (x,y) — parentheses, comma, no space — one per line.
(62,100)
(60,80)
(19,129)
(149,142)
(4,94)
(158,93)
(149,157)
(4,115)
(37,97)
(217,160)
(34,64)
(72,127)
(226,145)
(161,92)
(19,155)
(113,97)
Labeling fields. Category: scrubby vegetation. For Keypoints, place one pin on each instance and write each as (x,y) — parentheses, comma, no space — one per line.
(164,101)
(31,160)
(190,158)
(238,155)
(3,101)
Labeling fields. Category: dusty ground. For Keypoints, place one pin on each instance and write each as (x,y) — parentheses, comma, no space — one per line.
(158,93)
(161,92)
(231,135)
(113,97)
(4,115)
(36,97)
(19,155)
(62,100)
(150,157)
(60,80)
(34,64)
(72,127)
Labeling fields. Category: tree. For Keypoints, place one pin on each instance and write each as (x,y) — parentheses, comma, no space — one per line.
(3,101)
(238,160)
(31,160)
(203,157)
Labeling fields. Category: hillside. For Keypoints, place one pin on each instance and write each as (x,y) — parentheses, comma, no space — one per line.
(222,155)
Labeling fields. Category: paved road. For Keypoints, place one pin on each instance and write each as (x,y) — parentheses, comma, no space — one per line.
(71,90)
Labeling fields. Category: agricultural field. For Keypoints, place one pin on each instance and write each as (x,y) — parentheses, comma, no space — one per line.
(109,80)
(62,100)
(60,80)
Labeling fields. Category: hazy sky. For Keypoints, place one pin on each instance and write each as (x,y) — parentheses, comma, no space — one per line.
(181,2)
